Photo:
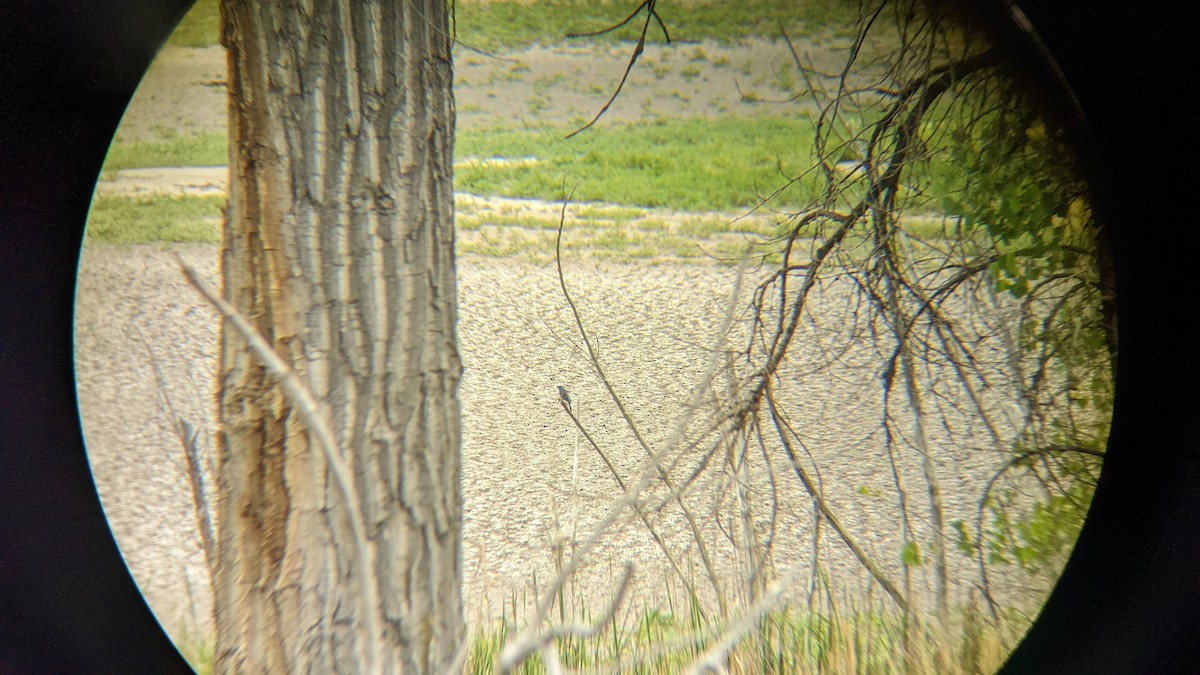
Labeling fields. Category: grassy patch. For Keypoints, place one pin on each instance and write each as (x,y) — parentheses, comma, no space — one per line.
(130,220)
(601,212)
(199,27)
(704,226)
(688,165)
(470,222)
(200,150)
(513,25)
(601,231)
(501,25)
(592,231)
(694,166)
(785,641)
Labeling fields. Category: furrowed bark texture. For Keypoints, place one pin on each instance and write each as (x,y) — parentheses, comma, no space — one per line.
(339,247)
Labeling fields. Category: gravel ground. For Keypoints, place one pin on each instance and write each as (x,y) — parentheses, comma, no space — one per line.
(146,344)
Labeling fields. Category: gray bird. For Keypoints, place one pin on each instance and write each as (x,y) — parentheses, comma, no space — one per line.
(562,393)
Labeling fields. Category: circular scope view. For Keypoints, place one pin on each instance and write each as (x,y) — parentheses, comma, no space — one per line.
(769,336)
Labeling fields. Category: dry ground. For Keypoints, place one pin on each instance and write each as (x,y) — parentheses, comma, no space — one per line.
(144,337)
(183,93)
(135,314)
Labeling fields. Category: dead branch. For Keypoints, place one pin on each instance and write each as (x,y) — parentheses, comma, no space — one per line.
(631,496)
(316,418)
(651,13)
(517,651)
(829,515)
(594,361)
(195,469)
(187,438)
(642,513)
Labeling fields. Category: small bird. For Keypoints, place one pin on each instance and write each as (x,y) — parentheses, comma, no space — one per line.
(562,393)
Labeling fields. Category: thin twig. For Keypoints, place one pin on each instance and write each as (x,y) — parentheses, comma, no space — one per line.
(308,407)
(651,13)
(517,651)
(484,52)
(594,359)
(194,468)
(642,513)
(831,517)
(631,497)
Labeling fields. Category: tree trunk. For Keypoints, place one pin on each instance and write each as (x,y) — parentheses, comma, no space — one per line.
(339,247)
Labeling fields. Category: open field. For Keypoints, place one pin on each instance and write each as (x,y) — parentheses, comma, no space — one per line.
(136,313)
(667,191)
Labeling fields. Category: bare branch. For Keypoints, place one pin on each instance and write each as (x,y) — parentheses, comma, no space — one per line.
(646,4)
(594,359)
(517,651)
(651,13)
(631,497)
(187,438)
(308,407)
(641,513)
(832,518)
(195,468)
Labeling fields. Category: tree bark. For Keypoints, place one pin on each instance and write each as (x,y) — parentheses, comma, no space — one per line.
(339,247)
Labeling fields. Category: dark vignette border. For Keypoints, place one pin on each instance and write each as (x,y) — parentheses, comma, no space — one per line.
(1128,602)
(1129,599)
(67,71)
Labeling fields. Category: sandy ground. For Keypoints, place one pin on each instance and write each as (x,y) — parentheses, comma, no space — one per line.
(184,91)
(146,349)
(146,345)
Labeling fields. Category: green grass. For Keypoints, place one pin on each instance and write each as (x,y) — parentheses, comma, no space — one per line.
(687,165)
(592,230)
(786,641)
(200,150)
(199,27)
(128,220)
(513,25)
(617,171)
(198,652)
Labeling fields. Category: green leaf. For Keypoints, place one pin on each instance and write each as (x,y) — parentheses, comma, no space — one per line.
(1025,555)
(911,556)
(964,537)
(1009,261)
(951,206)
(993,270)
